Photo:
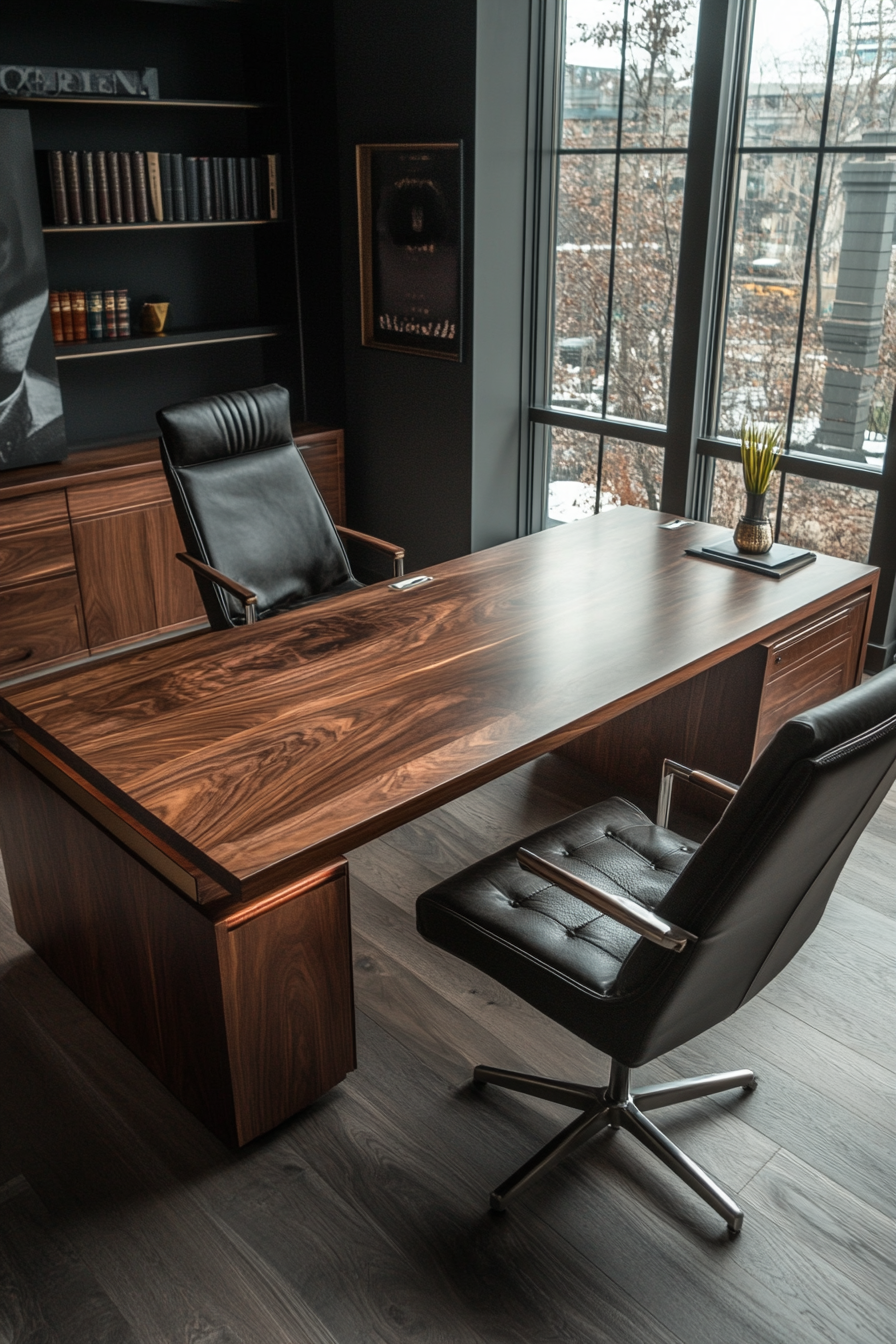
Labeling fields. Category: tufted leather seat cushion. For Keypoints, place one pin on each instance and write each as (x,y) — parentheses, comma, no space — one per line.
(542,942)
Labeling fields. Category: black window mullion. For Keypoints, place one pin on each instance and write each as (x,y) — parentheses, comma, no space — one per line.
(611,276)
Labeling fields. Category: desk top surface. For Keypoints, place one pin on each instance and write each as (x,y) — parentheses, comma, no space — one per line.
(262,752)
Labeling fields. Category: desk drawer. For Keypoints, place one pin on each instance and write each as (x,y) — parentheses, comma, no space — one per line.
(791,648)
(39,623)
(18,515)
(36,554)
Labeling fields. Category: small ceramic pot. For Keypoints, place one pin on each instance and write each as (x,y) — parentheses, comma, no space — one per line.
(754,533)
(153,319)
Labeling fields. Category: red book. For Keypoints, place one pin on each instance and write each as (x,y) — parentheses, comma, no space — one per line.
(56,317)
(78,301)
(65,305)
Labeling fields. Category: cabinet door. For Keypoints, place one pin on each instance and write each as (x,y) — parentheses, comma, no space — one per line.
(176,597)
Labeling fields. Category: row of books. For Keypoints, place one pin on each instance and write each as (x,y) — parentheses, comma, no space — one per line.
(142,187)
(90,315)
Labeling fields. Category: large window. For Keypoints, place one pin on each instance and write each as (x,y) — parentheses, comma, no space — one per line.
(718,243)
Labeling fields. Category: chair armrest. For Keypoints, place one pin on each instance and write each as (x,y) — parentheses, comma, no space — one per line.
(387,547)
(621,908)
(672,771)
(245,595)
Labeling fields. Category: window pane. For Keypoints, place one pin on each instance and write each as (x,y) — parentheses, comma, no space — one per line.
(647,244)
(864,87)
(822,516)
(848,359)
(788,67)
(632,473)
(573,478)
(585,210)
(774,201)
(591,72)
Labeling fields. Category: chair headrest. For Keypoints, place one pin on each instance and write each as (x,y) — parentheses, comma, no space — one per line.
(228,425)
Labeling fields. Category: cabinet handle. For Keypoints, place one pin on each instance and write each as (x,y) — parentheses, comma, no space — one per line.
(16,656)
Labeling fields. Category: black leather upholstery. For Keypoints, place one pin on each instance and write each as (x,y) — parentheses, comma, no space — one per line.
(247,504)
(752,892)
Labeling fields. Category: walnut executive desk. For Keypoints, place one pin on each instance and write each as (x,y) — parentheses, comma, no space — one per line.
(173,819)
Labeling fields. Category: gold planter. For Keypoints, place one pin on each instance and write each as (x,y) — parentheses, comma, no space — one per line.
(754,533)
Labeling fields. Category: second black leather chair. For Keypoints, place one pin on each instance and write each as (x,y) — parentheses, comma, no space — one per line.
(258,535)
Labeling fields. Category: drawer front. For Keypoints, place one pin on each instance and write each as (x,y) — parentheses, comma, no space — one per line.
(18,515)
(802,676)
(794,646)
(830,684)
(39,623)
(105,497)
(35,554)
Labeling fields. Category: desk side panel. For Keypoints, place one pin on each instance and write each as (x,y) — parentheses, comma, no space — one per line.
(141,957)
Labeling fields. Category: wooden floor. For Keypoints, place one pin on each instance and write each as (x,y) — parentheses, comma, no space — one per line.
(364,1219)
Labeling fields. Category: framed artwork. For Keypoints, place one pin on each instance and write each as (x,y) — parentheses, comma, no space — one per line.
(32,429)
(410,227)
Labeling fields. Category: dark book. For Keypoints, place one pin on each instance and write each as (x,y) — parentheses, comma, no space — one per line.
(78,301)
(245,190)
(154,176)
(255,183)
(233,189)
(57,186)
(103,199)
(88,188)
(109,311)
(141,186)
(122,314)
(218,184)
(65,308)
(167,186)
(95,324)
(73,187)
(178,188)
(275,205)
(191,187)
(206,189)
(128,204)
(56,317)
(777,562)
(114,187)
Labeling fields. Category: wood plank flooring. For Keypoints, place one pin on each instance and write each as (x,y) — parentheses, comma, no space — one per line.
(365,1218)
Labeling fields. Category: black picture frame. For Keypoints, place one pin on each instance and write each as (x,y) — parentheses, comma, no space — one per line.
(410,228)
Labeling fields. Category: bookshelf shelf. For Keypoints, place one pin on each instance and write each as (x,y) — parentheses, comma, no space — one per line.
(201,104)
(171,341)
(154,224)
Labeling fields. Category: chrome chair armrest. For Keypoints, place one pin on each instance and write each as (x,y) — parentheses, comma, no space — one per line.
(703,780)
(624,911)
(245,595)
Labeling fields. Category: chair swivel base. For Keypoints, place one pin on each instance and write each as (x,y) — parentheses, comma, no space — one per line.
(619,1107)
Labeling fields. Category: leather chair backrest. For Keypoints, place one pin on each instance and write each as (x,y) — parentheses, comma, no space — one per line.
(246,502)
(759,884)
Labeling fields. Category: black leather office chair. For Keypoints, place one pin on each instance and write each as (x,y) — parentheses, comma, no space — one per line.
(685,933)
(259,537)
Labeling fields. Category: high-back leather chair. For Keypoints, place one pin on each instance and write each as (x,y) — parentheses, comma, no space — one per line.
(679,935)
(259,537)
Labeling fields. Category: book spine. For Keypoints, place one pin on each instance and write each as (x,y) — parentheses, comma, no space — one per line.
(88,179)
(79,314)
(233,190)
(127,189)
(141,187)
(109,311)
(103,200)
(122,314)
(57,186)
(178,188)
(206,189)
(56,317)
(220,204)
(167,186)
(154,177)
(73,187)
(115,187)
(245,190)
(255,182)
(274,204)
(191,175)
(95,315)
(65,306)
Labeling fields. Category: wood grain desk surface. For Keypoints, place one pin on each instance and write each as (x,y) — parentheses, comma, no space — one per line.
(263,752)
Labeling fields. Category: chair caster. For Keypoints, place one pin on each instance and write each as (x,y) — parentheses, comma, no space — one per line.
(751,1087)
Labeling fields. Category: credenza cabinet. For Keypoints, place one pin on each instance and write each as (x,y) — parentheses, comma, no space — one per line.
(87,552)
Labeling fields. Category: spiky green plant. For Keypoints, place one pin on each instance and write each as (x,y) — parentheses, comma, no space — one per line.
(760,450)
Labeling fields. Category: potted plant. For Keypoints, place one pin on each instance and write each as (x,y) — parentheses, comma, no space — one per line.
(760,451)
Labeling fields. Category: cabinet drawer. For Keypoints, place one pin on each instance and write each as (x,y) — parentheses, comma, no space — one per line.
(830,684)
(105,497)
(40,622)
(802,676)
(18,515)
(35,554)
(791,648)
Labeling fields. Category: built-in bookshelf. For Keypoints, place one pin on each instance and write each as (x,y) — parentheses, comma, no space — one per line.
(232,284)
